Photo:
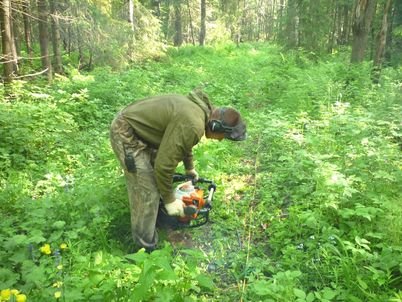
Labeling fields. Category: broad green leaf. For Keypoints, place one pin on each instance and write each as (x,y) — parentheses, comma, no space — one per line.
(139,257)
(261,288)
(329,293)
(35,276)
(162,262)
(59,224)
(310,297)
(165,295)
(8,278)
(299,293)
(72,234)
(37,237)
(56,235)
(16,240)
(141,289)
(167,275)
(205,282)
(19,255)
(361,282)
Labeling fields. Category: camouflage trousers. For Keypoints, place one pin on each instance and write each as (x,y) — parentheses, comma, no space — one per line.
(136,159)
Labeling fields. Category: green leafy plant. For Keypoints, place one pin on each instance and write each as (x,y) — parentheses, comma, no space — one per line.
(308,208)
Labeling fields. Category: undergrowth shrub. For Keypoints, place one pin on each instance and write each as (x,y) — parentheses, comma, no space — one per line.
(308,208)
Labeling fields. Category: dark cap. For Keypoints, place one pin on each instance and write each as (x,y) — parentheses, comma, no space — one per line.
(234,127)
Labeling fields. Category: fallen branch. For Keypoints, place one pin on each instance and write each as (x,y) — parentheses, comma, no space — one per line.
(32,74)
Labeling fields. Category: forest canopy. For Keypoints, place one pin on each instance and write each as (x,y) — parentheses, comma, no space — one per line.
(49,36)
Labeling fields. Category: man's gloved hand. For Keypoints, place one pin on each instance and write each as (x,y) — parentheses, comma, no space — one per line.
(193,173)
(175,208)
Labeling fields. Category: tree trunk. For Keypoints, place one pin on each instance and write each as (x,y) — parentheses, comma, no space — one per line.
(58,65)
(191,22)
(255,24)
(27,29)
(396,38)
(157,4)
(292,25)
(240,21)
(268,22)
(363,16)
(335,16)
(178,36)
(9,61)
(345,26)
(80,51)
(280,31)
(67,37)
(388,46)
(69,44)
(44,39)
(14,36)
(131,14)
(203,27)
(166,18)
(381,42)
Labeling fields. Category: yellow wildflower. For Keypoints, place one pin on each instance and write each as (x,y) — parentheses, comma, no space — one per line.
(14,292)
(60,266)
(57,284)
(57,294)
(21,298)
(63,246)
(45,249)
(5,294)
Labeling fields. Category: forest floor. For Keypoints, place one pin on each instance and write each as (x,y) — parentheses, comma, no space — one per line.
(308,208)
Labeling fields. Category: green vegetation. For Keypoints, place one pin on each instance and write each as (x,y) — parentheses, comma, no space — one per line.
(309,208)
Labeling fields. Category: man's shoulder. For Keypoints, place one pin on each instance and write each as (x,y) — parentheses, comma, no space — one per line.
(168,97)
